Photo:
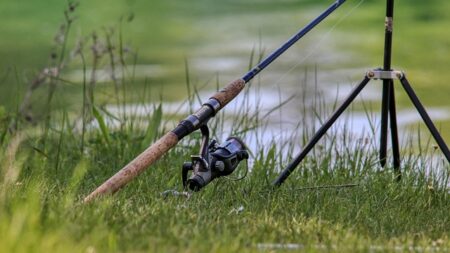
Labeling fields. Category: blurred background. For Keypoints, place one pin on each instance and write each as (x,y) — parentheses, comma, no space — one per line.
(165,50)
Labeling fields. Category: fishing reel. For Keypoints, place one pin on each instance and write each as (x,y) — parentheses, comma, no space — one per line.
(215,160)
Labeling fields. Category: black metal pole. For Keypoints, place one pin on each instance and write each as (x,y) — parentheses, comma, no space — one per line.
(384,124)
(426,118)
(385,104)
(321,132)
(388,35)
(394,131)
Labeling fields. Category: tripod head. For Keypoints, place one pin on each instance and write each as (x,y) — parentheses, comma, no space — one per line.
(214,161)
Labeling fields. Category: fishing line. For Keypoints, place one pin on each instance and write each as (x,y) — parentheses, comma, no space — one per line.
(241,177)
(321,41)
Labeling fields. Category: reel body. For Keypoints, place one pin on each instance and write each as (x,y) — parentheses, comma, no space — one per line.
(215,160)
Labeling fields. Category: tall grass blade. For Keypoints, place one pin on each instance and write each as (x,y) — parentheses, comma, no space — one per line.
(101,124)
(153,126)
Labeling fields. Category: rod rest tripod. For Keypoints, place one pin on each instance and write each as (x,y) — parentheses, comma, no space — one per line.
(388,110)
(376,74)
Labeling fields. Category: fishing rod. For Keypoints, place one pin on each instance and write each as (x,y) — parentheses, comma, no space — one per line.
(214,160)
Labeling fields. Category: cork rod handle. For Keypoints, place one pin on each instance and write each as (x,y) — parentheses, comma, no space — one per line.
(135,167)
(225,95)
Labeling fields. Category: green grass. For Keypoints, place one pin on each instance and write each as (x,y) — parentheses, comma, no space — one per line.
(44,180)
(47,170)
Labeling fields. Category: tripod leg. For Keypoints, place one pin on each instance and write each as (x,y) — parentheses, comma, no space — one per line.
(415,100)
(384,122)
(386,83)
(394,130)
(321,132)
